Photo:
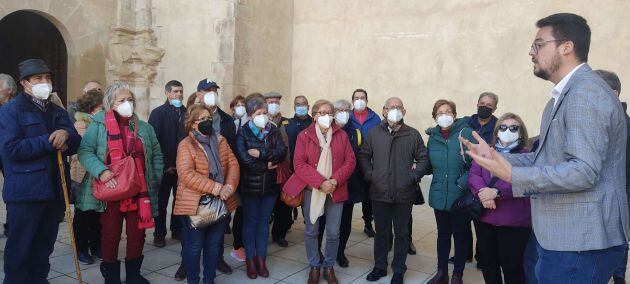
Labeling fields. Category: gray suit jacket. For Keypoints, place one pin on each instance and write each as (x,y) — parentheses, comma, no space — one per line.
(576,178)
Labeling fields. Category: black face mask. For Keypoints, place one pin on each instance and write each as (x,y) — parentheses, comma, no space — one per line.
(206,128)
(484,112)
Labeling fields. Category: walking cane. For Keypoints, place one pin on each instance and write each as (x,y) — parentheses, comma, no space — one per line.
(64,187)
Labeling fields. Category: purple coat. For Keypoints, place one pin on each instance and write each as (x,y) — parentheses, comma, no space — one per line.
(510,211)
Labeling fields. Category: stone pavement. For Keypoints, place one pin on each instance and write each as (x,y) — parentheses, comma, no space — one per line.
(286,265)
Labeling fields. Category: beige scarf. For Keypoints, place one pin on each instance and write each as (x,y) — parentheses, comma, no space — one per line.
(324,168)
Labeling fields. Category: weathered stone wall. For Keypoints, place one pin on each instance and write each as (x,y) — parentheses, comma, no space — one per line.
(422,51)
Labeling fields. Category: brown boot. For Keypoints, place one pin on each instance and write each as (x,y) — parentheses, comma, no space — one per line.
(261,267)
(313,276)
(329,275)
(457,279)
(251,268)
(441,277)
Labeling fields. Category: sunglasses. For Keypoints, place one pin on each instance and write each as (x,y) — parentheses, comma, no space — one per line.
(513,128)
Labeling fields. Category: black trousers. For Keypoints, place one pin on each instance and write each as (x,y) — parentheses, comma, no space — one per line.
(386,214)
(237,228)
(168,185)
(455,225)
(282,220)
(502,248)
(366,207)
(87,229)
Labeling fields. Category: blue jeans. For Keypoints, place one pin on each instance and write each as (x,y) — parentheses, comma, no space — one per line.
(210,241)
(620,272)
(332,213)
(594,266)
(530,257)
(256,213)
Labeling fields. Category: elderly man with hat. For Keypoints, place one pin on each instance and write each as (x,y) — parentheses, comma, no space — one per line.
(32,130)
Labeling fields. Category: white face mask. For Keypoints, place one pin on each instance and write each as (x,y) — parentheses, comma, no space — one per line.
(125,109)
(342,118)
(359,105)
(445,120)
(239,111)
(261,120)
(508,137)
(273,109)
(394,115)
(324,121)
(41,90)
(210,99)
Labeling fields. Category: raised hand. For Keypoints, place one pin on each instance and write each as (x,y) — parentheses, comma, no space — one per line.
(481,148)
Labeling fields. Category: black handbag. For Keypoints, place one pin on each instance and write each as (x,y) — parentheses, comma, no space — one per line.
(469,204)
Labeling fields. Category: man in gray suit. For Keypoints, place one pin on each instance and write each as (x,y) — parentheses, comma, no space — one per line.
(576,177)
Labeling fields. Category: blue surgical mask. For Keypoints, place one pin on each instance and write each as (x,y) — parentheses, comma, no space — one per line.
(301,110)
(176,103)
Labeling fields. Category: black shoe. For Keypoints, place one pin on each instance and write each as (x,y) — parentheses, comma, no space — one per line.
(180,275)
(368,230)
(85,257)
(159,241)
(96,252)
(176,236)
(111,272)
(376,274)
(412,249)
(281,242)
(342,260)
(618,280)
(397,278)
(224,267)
(132,269)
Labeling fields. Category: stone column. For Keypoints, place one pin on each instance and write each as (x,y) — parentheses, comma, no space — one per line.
(133,52)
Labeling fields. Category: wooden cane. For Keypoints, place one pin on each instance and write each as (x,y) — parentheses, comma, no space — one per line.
(64,188)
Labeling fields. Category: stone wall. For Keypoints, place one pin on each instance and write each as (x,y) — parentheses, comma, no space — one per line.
(422,51)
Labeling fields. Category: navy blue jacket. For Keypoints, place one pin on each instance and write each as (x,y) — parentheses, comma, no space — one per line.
(486,131)
(370,122)
(295,126)
(228,129)
(357,185)
(30,162)
(169,129)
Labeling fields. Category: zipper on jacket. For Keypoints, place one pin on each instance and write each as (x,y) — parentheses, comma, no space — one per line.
(446,178)
(264,184)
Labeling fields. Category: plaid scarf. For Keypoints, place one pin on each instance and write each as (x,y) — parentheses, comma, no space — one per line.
(41,104)
(117,139)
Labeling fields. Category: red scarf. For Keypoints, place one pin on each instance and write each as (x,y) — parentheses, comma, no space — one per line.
(119,136)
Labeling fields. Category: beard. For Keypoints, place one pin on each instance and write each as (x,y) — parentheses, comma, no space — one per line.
(554,66)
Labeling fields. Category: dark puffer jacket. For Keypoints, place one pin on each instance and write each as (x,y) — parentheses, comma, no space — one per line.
(394,163)
(256,178)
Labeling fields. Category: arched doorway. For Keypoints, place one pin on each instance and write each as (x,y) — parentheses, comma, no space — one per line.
(26,34)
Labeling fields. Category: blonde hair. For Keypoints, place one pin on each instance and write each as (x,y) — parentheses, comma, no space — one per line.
(522,130)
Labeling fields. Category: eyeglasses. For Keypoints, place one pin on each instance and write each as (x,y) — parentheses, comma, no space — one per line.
(513,128)
(322,113)
(538,45)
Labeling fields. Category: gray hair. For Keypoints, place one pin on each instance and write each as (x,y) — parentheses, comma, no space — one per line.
(88,82)
(8,82)
(111,92)
(491,95)
(254,103)
(338,104)
(610,78)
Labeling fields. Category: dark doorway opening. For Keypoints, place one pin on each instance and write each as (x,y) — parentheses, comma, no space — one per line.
(24,35)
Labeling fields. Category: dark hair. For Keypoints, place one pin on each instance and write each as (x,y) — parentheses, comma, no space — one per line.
(570,27)
(610,78)
(88,102)
(235,101)
(440,103)
(359,90)
(172,83)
